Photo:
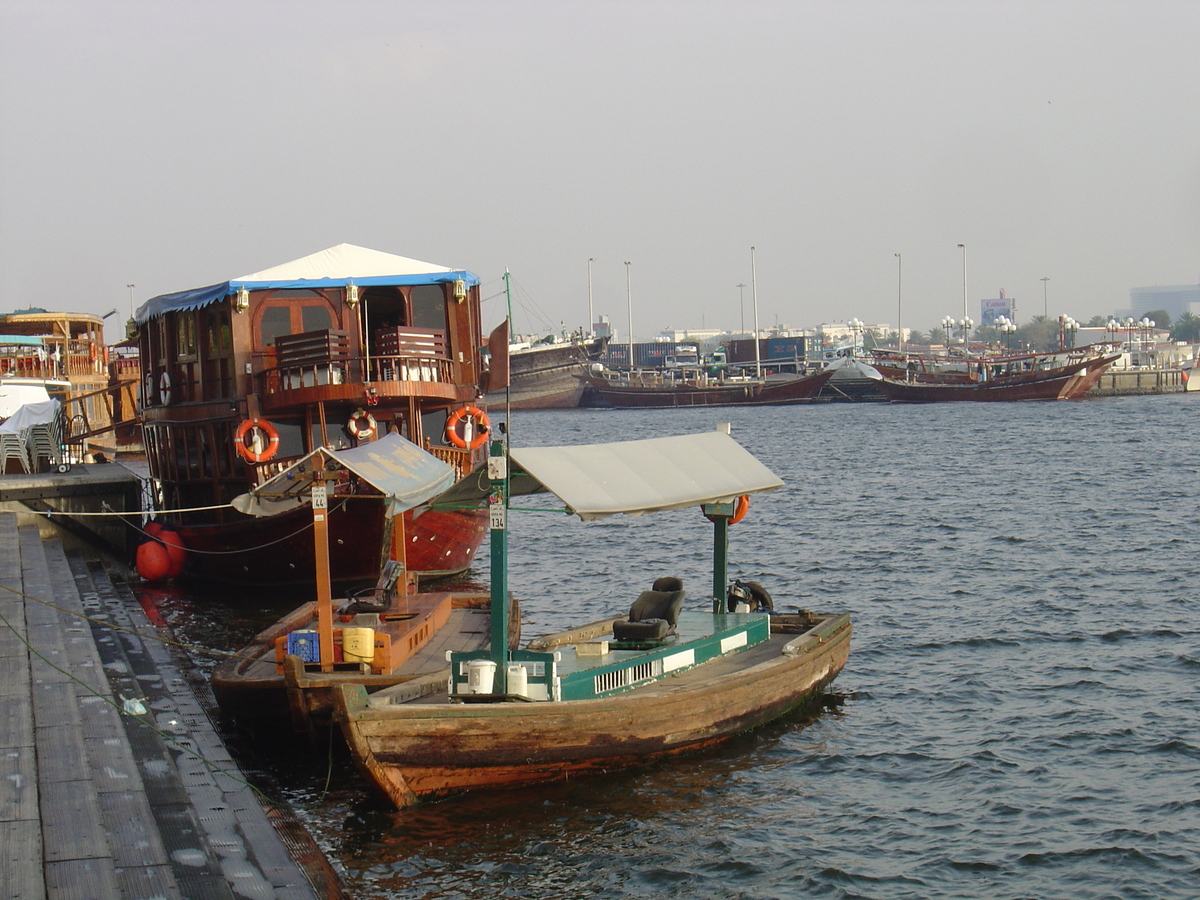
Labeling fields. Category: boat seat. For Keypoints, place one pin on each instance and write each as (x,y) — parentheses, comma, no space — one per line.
(654,614)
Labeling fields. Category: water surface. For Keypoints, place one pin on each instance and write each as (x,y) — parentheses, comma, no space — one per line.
(1022,689)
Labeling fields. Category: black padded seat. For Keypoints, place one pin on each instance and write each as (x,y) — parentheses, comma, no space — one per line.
(654,614)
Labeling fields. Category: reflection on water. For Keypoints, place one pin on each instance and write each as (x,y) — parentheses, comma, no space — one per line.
(1022,683)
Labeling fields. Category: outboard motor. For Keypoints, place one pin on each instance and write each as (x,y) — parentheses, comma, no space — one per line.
(756,597)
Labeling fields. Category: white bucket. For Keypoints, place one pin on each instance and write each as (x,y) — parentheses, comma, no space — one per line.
(480,675)
(518,680)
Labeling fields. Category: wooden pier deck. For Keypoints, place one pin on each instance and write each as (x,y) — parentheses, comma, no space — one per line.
(97,803)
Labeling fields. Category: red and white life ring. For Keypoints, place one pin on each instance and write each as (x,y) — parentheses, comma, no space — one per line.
(475,428)
(362,425)
(264,440)
(164,388)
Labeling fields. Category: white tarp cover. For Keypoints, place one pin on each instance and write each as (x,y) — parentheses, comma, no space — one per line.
(44,412)
(639,477)
(396,467)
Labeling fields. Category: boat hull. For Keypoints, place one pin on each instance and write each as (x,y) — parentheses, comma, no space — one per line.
(668,395)
(279,550)
(545,377)
(421,751)
(1069,385)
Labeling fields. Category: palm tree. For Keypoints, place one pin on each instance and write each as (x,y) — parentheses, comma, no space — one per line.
(1186,328)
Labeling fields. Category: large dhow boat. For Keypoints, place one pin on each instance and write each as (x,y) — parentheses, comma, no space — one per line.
(543,372)
(1062,375)
(673,388)
(664,678)
(334,350)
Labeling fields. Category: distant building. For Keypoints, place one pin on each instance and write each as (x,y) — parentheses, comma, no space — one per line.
(1175,300)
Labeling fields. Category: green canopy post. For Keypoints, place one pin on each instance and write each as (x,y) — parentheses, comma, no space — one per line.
(498,520)
(720,561)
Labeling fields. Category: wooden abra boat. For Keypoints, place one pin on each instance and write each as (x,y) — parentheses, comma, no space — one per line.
(388,636)
(668,389)
(624,691)
(242,378)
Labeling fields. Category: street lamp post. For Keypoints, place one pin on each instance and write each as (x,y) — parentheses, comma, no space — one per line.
(965,325)
(963,247)
(856,327)
(1045,304)
(948,327)
(754,295)
(899,299)
(742,306)
(130,286)
(629,314)
(591,315)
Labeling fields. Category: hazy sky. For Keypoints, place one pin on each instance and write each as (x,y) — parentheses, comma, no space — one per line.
(178,144)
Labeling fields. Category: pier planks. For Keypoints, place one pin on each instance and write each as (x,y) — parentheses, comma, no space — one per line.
(94,803)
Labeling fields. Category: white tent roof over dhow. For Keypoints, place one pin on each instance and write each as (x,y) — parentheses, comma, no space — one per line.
(334,267)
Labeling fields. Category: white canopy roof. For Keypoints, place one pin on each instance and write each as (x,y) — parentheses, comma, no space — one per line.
(398,468)
(342,262)
(632,477)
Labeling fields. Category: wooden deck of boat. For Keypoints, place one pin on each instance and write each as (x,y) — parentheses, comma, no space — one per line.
(95,803)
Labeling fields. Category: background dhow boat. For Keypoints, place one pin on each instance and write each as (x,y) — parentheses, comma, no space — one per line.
(624,691)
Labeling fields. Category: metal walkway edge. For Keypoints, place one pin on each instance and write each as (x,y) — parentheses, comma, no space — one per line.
(93,802)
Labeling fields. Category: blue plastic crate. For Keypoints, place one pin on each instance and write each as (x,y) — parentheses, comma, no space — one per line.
(305,645)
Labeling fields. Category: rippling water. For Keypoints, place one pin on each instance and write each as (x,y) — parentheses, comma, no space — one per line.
(1022,716)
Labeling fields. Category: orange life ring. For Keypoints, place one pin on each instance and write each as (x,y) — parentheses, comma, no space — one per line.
(740,509)
(361,425)
(269,436)
(741,506)
(481,430)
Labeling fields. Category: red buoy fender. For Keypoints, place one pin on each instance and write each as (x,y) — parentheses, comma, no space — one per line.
(267,439)
(153,561)
(174,551)
(481,429)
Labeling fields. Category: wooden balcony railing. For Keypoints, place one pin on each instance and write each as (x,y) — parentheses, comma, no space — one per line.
(462,460)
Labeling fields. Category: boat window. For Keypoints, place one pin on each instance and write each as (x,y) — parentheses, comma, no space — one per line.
(429,306)
(293,312)
(315,318)
(433,427)
(291,439)
(276,320)
(185,335)
(220,335)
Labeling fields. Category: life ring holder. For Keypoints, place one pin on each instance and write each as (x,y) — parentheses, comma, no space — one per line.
(481,433)
(362,425)
(164,388)
(269,442)
(741,506)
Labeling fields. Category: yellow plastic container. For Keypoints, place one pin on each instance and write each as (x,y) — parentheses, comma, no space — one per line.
(358,645)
